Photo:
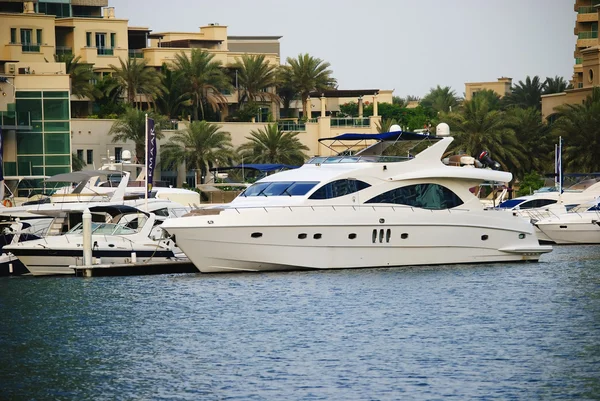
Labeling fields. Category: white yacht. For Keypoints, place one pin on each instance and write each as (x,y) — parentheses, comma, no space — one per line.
(120,234)
(580,225)
(360,210)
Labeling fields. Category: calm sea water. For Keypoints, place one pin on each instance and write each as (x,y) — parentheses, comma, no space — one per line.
(503,331)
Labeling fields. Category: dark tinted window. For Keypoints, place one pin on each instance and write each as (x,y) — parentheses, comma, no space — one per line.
(531,204)
(281,188)
(339,188)
(426,196)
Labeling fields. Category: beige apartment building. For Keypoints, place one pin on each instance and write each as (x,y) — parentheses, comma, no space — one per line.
(501,87)
(586,68)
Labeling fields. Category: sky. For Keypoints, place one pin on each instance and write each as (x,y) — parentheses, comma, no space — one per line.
(409,46)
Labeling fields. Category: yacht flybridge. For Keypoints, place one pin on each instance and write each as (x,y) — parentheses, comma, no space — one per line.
(361,209)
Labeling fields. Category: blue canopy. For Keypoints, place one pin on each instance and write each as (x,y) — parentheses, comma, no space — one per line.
(384,136)
(259,167)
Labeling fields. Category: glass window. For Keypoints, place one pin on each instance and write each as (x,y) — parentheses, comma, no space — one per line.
(282,188)
(339,188)
(118,154)
(509,204)
(35,94)
(163,212)
(30,165)
(90,156)
(80,154)
(300,188)
(425,196)
(13,35)
(57,143)
(535,203)
(60,94)
(26,36)
(38,34)
(101,40)
(29,110)
(276,189)
(255,189)
(57,170)
(113,40)
(64,160)
(56,109)
(88,39)
(30,143)
(56,126)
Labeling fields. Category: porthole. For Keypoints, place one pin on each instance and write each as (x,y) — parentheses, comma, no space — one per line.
(563,226)
(388,234)
(521,236)
(484,237)
(111,245)
(382,221)
(302,236)
(374,236)
(352,236)
(317,236)
(256,235)
(404,235)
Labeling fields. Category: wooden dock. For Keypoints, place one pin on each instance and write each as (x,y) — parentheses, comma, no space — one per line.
(135,269)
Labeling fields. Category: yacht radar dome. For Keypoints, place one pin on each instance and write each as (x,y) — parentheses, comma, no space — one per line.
(395,128)
(442,129)
(126,156)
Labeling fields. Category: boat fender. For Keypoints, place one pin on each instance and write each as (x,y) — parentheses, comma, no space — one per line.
(7,203)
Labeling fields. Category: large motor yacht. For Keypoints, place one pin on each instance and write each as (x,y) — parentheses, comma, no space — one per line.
(363,209)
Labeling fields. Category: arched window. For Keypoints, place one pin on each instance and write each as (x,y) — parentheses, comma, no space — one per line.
(425,196)
(339,188)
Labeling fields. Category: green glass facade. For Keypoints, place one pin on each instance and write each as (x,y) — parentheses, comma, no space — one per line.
(45,149)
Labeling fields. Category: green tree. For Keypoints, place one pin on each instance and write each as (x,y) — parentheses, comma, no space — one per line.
(272,145)
(529,183)
(255,77)
(134,77)
(526,94)
(201,146)
(476,128)
(440,99)
(555,85)
(579,126)
(285,87)
(77,164)
(203,80)
(492,98)
(385,124)
(309,74)
(534,136)
(107,103)
(80,74)
(131,126)
(174,99)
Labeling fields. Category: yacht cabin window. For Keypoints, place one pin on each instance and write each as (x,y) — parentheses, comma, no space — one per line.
(279,188)
(339,188)
(425,196)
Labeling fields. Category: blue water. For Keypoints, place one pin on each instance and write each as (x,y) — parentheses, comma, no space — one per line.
(502,331)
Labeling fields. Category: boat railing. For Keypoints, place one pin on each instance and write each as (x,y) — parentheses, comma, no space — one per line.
(356,159)
(357,208)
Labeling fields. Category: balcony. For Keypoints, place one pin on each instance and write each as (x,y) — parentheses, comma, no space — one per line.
(578,60)
(105,51)
(291,126)
(136,53)
(587,10)
(14,120)
(588,35)
(30,48)
(63,50)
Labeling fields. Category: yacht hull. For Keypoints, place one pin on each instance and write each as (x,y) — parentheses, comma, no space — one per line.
(308,238)
(568,232)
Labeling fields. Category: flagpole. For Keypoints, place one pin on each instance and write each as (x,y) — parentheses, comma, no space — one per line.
(146,163)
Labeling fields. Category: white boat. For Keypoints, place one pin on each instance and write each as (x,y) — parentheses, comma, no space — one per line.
(120,234)
(580,225)
(356,211)
(13,232)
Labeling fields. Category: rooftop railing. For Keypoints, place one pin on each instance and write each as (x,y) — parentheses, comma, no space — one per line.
(136,53)
(60,50)
(587,10)
(356,159)
(291,126)
(350,122)
(15,119)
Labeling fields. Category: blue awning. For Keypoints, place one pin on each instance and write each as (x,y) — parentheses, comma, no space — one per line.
(384,136)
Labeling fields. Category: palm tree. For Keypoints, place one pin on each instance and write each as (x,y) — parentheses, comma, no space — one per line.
(526,94)
(579,125)
(309,74)
(285,88)
(272,145)
(201,145)
(202,79)
(131,126)
(534,136)
(135,77)
(385,125)
(173,100)
(493,99)
(476,128)
(80,74)
(440,99)
(77,164)
(555,85)
(255,76)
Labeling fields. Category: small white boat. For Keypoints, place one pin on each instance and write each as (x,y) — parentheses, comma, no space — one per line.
(580,225)
(120,234)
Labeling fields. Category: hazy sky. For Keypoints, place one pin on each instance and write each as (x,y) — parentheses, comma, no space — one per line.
(405,45)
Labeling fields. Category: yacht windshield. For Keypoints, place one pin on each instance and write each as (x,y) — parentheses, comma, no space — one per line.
(279,188)
(511,203)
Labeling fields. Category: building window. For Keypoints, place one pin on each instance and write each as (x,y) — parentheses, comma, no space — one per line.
(591,75)
(13,35)
(80,154)
(25,36)
(88,39)
(118,154)
(100,40)
(113,40)
(90,156)
(38,34)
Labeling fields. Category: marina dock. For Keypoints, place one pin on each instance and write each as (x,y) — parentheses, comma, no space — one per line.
(133,269)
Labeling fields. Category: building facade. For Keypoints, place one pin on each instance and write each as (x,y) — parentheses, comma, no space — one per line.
(501,87)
